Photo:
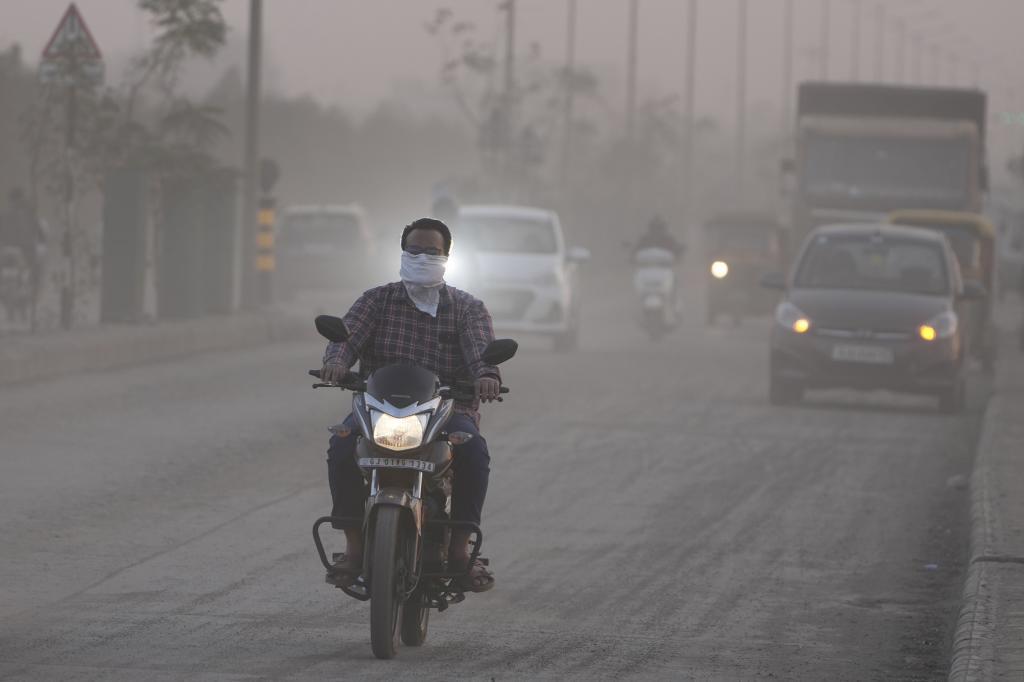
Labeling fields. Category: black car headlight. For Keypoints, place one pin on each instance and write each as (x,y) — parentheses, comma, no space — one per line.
(792,318)
(942,326)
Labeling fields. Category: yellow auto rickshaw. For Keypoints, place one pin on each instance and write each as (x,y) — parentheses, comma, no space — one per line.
(740,248)
(973,240)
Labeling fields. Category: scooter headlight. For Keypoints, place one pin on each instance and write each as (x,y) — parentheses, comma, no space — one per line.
(398,433)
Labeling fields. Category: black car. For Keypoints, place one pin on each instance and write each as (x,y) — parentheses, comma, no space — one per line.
(871,306)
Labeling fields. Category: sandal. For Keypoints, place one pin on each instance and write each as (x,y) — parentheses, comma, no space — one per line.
(344,570)
(477,578)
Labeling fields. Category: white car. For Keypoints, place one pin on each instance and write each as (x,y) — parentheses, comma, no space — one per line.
(325,248)
(515,260)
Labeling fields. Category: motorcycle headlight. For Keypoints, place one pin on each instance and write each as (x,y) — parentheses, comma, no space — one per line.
(719,269)
(398,433)
(942,326)
(792,318)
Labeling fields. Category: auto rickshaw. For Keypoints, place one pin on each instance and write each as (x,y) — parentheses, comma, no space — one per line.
(740,249)
(973,240)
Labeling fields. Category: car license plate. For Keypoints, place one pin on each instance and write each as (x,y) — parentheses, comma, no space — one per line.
(874,355)
(396,463)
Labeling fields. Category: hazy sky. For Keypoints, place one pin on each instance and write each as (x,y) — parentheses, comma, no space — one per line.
(356,52)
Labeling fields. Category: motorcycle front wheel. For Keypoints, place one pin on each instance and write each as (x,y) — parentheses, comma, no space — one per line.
(387,581)
(415,617)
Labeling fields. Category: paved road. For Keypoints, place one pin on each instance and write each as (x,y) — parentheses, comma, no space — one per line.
(650,516)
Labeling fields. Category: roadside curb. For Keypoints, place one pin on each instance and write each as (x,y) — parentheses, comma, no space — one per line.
(972,640)
(988,642)
(34,358)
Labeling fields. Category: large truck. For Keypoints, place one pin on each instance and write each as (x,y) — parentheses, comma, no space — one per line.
(864,150)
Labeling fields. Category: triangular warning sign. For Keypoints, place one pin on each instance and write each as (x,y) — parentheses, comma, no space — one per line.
(72,39)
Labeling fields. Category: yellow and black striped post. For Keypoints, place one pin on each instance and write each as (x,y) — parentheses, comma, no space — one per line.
(266,259)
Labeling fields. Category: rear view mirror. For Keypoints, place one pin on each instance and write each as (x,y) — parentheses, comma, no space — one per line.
(774,280)
(578,254)
(974,291)
(499,351)
(331,328)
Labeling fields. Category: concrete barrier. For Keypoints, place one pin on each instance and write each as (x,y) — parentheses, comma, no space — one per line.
(37,357)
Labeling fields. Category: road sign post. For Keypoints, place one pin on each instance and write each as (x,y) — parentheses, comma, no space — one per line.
(71,59)
(266,252)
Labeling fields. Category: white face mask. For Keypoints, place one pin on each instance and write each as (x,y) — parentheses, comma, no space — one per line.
(423,269)
(423,276)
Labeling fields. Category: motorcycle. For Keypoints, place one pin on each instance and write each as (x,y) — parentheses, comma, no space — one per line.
(405,455)
(654,282)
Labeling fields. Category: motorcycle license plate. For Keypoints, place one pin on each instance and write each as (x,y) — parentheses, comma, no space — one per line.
(396,463)
(872,355)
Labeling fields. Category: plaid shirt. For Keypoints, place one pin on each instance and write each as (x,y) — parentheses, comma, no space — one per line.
(385,327)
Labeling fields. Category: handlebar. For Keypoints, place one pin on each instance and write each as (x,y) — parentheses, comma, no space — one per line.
(462,392)
(467,395)
(354,384)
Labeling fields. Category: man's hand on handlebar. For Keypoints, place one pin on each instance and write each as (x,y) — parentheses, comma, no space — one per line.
(488,389)
(333,373)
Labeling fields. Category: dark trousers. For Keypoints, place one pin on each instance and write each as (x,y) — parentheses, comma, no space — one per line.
(472,467)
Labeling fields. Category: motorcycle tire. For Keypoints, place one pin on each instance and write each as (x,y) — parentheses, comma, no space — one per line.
(654,322)
(385,576)
(415,618)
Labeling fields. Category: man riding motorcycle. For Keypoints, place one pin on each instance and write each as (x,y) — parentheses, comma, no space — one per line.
(657,236)
(419,320)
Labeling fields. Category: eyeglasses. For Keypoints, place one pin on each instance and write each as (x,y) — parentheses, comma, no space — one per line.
(429,250)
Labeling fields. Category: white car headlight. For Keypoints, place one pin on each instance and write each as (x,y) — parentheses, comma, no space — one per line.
(942,326)
(454,268)
(792,318)
(719,269)
(398,433)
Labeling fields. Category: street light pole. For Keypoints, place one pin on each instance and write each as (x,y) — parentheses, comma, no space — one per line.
(826,21)
(901,51)
(634,9)
(689,132)
(252,153)
(915,59)
(508,112)
(855,42)
(569,83)
(741,94)
(510,48)
(879,43)
(787,66)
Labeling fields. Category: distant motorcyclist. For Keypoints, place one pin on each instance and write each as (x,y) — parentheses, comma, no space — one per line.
(655,255)
(657,236)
